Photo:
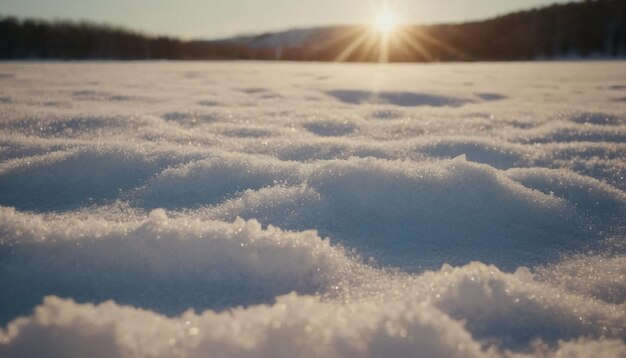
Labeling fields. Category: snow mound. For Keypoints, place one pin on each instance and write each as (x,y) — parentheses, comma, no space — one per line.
(213,180)
(422,215)
(589,195)
(180,263)
(70,179)
(444,313)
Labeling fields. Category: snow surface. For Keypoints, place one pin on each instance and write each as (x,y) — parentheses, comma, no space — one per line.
(239,209)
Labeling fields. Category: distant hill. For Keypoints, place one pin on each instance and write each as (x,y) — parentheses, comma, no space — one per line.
(580,29)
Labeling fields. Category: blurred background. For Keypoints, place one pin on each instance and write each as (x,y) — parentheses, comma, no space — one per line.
(302,30)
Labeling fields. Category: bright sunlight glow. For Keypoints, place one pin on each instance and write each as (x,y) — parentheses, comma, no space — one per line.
(385,21)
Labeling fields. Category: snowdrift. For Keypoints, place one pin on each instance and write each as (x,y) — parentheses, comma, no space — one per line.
(194,209)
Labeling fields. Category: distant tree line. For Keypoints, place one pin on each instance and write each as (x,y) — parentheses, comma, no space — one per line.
(589,28)
(34,39)
(585,29)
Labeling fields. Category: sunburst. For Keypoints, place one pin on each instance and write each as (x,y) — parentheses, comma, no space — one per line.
(387,39)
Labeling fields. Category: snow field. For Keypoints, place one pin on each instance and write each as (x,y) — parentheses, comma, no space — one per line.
(249,209)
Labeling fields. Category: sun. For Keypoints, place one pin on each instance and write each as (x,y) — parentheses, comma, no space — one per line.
(385,21)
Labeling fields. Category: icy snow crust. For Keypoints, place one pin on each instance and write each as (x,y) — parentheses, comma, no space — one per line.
(312,210)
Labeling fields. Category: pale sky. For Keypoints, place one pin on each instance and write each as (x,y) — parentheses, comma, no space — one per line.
(222,18)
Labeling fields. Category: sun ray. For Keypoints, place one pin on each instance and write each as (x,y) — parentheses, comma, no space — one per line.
(344,35)
(383,49)
(413,44)
(369,47)
(386,41)
(352,47)
(423,36)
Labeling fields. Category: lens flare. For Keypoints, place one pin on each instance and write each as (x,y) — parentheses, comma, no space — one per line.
(388,38)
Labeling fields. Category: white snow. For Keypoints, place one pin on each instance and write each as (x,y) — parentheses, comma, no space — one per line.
(192,209)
